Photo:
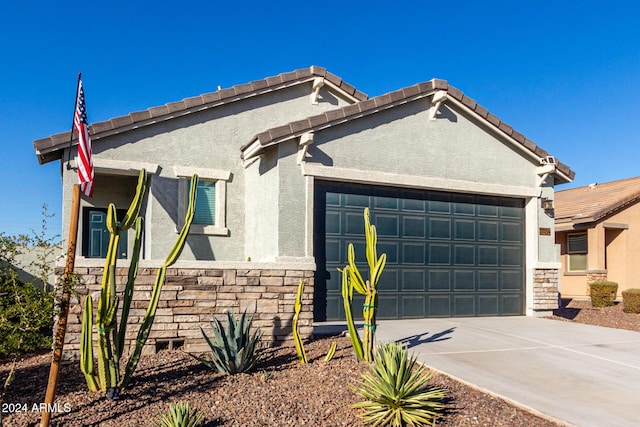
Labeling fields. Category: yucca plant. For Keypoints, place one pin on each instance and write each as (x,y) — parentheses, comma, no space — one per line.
(180,415)
(395,390)
(234,348)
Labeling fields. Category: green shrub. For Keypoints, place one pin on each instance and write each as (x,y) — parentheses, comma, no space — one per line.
(180,415)
(26,317)
(235,348)
(26,302)
(603,294)
(631,300)
(395,390)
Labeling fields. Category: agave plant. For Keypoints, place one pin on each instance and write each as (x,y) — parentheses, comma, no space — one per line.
(235,347)
(179,415)
(396,392)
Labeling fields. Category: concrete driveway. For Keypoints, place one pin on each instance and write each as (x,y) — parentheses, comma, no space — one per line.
(577,374)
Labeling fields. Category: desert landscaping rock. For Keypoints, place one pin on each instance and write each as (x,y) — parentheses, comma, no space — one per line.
(279,392)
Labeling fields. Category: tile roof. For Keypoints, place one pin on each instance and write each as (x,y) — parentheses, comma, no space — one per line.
(50,148)
(596,201)
(389,100)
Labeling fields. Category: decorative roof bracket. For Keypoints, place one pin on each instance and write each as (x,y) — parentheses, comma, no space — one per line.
(438,98)
(547,167)
(318,82)
(306,139)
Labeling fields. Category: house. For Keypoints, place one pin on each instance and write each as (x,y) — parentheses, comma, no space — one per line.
(287,165)
(598,230)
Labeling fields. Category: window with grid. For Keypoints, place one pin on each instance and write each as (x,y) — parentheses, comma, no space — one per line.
(577,251)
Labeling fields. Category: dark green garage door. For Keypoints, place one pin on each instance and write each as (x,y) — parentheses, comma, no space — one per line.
(448,254)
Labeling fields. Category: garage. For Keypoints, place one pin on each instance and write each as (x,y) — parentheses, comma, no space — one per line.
(448,254)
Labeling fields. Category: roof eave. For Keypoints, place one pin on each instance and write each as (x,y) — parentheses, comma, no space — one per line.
(51,148)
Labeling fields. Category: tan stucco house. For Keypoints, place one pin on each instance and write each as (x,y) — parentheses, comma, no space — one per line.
(598,230)
(287,165)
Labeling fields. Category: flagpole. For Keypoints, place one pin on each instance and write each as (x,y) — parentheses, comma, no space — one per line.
(61,327)
(73,121)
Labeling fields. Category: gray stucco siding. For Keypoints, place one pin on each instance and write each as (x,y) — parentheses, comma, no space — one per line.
(405,141)
(208,139)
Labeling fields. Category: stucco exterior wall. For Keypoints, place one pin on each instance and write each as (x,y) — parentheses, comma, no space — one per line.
(405,141)
(209,139)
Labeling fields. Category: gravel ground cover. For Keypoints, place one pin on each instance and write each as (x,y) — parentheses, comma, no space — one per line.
(279,392)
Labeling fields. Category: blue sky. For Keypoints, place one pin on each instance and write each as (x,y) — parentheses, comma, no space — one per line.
(566,74)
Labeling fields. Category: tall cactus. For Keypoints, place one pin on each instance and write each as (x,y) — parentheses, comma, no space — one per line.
(352,280)
(111,336)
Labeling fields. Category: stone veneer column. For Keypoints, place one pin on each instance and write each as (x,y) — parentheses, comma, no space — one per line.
(545,289)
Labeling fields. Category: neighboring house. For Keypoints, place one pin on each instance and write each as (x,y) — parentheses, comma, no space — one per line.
(598,230)
(287,166)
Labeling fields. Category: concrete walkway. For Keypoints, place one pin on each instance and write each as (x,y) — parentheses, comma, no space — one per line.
(577,374)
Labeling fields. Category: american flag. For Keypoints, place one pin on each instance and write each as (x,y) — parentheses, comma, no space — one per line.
(84,161)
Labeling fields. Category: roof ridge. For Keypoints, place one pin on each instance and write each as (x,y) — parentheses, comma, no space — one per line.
(407,94)
(58,142)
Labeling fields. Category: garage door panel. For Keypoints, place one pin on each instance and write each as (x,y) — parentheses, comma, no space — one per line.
(488,231)
(411,205)
(413,253)
(334,253)
(464,205)
(511,209)
(439,228)
(464,305)
(356,201)
(488,280)
(511,232)
(388,282)
(413,280)
(439,306)
(334,307)
(511,304)
(413,227)
(447,254)
(511,256)
(413,306)
(334,223)
(439,280)
(488,256)
(488,305)
(464,255)
(465,229)
(334,282)
(439,254)
(333,199)
(386,203)
(387,225)
(388,307)
(392,250)
(354,223)
(511,280)
(464,280)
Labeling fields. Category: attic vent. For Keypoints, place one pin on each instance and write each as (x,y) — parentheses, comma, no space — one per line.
(594,185)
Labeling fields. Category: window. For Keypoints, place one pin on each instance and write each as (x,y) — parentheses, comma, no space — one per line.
(577,251)
(95,236)
(205,213)
(210,214)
